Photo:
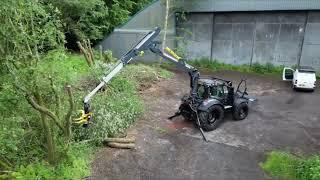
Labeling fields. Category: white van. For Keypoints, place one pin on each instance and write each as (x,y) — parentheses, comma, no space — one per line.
(303,77)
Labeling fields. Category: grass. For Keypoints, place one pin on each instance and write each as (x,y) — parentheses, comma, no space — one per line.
(209,65)
(287,166)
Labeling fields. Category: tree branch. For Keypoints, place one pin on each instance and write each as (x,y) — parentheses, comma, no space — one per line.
(43,110)
(68,115)
(90,51)
(56,96)
(85,53)
(5,163)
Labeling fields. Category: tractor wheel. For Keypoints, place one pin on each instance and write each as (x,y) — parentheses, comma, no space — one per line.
(210,119)
(186,111)
(241,111)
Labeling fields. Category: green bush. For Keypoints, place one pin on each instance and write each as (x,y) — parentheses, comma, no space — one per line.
(74,166)
(207,64)
(288,166)
(116,108)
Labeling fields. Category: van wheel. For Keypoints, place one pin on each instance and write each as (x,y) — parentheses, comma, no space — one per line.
(241,111)
(211,119)
(294,87)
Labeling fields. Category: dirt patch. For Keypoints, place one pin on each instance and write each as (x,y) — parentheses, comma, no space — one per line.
(280,119)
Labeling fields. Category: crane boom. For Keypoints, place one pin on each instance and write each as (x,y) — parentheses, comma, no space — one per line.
(146,43)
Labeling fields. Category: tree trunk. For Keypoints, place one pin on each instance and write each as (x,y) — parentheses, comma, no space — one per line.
(47,132)
(121,145)
(49,139)
(4,164)
(67,131)
(165,28)
(85,53)
(120,140)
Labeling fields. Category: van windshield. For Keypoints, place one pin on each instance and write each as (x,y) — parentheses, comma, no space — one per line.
(307,71)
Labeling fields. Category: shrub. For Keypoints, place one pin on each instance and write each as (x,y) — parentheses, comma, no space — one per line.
(288,166)
(74,166)
(116,108)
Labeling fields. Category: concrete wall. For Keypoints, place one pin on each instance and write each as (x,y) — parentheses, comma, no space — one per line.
(279,38)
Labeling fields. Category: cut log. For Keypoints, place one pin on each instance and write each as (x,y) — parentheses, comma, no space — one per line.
(120,140)
(121,145)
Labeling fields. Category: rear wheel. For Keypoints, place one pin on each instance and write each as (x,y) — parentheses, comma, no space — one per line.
(241,111)
(210,119)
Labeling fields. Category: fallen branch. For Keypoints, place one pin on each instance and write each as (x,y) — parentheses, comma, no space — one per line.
(120,140)
(121,145)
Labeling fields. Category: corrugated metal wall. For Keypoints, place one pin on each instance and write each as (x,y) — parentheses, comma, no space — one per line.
(246,5)
(253,37)
(123,38)
(278,37)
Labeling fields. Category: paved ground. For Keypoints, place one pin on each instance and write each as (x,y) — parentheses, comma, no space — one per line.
(281,119)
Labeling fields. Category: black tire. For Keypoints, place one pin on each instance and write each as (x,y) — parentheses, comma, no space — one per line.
(241,111)
(186,112)
(294,87)
(211,119)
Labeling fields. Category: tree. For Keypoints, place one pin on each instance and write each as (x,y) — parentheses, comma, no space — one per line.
(93,19)
(29,30)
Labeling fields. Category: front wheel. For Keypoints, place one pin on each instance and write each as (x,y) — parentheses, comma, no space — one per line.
(241,111)
(211,119)
(186,111)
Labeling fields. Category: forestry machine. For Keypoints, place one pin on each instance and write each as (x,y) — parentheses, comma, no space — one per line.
(209,97)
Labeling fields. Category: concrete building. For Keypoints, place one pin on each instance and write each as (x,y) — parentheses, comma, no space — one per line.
(281,32)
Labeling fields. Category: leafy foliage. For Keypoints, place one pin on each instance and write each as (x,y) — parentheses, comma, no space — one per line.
(288,166)
(74,166)
(35,69)
(27,30)
(116,108)
(93,19)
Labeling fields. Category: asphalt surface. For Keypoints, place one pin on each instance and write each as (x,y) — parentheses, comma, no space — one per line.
(281,119)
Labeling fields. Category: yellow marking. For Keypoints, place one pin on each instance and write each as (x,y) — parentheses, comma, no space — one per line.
(84,118)
(172,53)
(141,53)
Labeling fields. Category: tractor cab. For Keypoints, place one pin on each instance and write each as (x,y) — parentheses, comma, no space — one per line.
(219,89)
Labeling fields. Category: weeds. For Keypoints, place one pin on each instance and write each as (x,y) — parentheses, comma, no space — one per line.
(75,166)
(254,68)
(288,166)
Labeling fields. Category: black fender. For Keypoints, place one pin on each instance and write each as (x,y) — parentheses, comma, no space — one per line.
(238,101)
(204,106)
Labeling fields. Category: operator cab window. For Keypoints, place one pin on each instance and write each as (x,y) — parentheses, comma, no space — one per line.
(201,91)
(217,91)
